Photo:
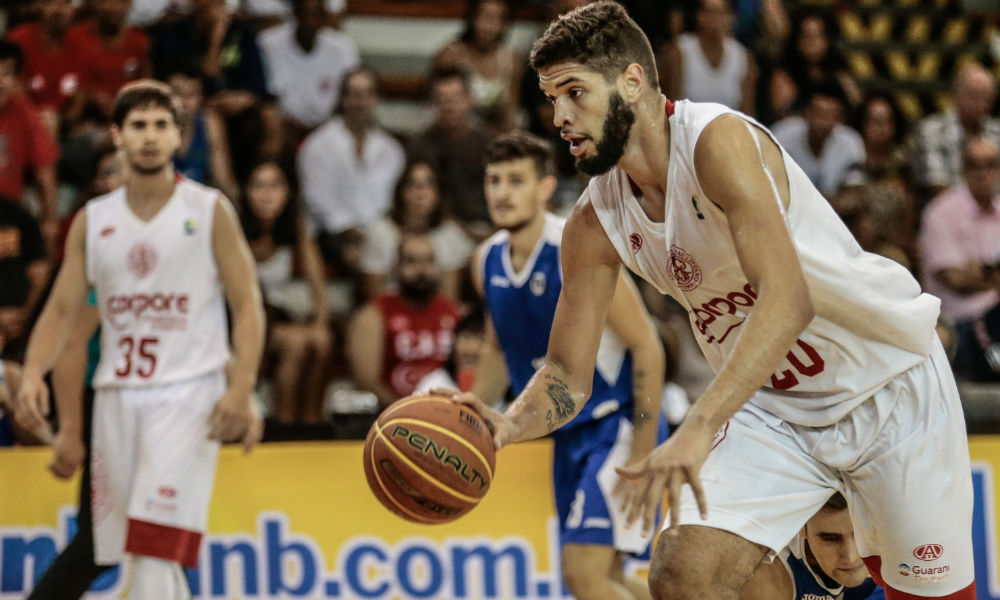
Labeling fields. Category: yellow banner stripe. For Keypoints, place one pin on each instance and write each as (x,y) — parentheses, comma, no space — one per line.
(420,471)
(450,434)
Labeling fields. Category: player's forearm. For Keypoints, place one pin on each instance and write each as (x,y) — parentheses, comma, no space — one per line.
(248,343)
(68,381)
(647,390)
(549,401)
(48,338)
(767,335)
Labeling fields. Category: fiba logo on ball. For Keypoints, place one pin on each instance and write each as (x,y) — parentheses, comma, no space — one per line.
(685,273)
(141,259)
(928,552)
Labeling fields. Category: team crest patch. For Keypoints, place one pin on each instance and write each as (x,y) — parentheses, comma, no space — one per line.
(685,273)
(141,259)
(537,284)
(636,240)
(928,552)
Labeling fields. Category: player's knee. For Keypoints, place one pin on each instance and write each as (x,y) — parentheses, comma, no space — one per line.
(582,580)
(680,571)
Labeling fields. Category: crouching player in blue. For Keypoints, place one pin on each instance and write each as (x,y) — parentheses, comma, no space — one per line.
(821,563)
(517,271)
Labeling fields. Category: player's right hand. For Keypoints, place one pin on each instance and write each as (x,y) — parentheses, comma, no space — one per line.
(31,403)
(501,426)
(68,453)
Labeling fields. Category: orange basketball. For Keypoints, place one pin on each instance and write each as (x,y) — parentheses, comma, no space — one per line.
(428,459)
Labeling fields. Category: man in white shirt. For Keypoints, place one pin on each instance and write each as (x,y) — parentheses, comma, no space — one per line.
(305,61)
(348,167)
(818,140)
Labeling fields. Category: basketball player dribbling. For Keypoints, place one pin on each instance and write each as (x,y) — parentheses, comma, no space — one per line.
(829,376)
(164,254)
(516,271)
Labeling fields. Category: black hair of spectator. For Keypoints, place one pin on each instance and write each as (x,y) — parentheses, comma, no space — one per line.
(397,209)
(184,66)
(142,94)
(898,118)
(438,76)
(285,230)
(836,502)
(516,145)
(360,69)
(795,63)
(11,51)
(472,11)
(827,88)
(473,322)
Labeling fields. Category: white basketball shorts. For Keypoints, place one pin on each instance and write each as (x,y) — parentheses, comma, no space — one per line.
(152,469)
(901,458)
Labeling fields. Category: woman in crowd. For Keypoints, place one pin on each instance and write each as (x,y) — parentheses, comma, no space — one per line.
(811,55)
(494,68)
(417,207)
(299,335)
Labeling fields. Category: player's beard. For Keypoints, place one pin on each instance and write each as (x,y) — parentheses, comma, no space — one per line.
(614,136)
(145,171)
(418,290)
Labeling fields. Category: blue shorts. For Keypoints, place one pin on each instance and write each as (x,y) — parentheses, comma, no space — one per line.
(583,473)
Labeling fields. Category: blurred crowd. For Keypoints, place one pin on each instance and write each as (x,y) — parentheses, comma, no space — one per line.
(363,236)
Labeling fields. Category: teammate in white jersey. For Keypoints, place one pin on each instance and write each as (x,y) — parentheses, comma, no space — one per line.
(829,374)
(163,254)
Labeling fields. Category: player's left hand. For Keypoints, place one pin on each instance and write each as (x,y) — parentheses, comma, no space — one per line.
(668,467)
(68,453)
(235,417)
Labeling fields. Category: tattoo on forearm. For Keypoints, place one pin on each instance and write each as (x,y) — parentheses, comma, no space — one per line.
(563,406)
(640,418)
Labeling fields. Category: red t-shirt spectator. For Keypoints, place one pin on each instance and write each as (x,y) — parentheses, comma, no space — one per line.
(417,339)
(24,142)
(111,65)
(51,75)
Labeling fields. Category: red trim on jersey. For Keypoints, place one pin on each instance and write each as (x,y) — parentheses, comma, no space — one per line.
(670,109)
(163,541)
(874,564)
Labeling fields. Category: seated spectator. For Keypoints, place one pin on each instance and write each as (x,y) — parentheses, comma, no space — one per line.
(886,171)
(494,68)
(305,62)
(960,249)
(459,372)
(709,65)
(811,56)
(26,143)
(938,140)
(204,152)
(348,167)
(53,69)
(819,142)
(116,52)
(24,271)
(276,11)
(455,144)
(225,50)
(298,334)
(398,338)
(417,208)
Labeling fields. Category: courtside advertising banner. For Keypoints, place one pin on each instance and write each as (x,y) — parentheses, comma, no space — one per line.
(298,521)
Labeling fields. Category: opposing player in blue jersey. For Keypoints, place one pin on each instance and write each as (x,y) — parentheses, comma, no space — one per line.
(821,563)
(518,272)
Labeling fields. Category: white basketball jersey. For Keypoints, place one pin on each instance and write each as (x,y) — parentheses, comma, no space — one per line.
(163,316)
(872,321)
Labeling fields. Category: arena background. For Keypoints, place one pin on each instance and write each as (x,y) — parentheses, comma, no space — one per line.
(296,520)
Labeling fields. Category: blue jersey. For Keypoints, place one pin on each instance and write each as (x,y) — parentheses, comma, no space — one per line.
(522,306)
(809,585)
